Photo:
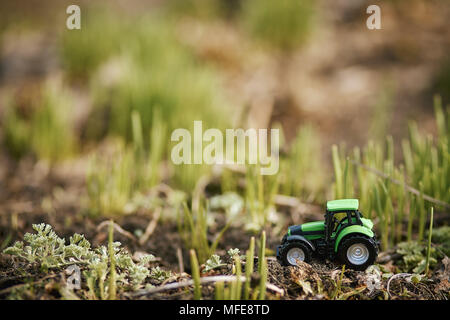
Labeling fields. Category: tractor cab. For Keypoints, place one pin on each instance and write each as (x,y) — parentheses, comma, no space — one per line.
(341,214)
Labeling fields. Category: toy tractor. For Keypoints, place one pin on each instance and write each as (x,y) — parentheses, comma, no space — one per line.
(344,234)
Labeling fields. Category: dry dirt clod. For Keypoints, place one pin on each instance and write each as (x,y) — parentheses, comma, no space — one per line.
(443,276)
(305,276)
(304,272)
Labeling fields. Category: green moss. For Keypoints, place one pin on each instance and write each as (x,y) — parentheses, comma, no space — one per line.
(441,238)
(414,256)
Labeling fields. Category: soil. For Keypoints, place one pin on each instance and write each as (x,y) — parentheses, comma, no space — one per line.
(29,194)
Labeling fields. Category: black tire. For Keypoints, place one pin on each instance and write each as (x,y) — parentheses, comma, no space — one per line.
(295,244)
(363,241)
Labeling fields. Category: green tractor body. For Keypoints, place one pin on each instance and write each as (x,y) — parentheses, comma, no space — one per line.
(345,234)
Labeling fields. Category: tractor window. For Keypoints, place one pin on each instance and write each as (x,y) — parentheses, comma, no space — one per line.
(337,218)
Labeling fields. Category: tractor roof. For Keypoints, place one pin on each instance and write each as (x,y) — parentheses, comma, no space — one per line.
(342,205)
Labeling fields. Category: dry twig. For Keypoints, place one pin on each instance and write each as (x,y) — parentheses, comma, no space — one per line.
(150,227)
(117,228)
(406,186)
(203,280)
(398,275)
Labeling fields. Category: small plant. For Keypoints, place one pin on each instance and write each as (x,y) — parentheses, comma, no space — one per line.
(107,270)
(230,202)
(234,255)
(234,290)
(193,228)
(414,256)
(159,274)
(109,183)
(212,263)
(114,180)
(259,198)
(46,129)
(233,252)
(48,250)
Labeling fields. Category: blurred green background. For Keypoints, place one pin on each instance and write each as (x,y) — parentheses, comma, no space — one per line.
(107,97)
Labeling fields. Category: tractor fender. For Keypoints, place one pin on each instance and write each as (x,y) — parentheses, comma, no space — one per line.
(352,230)
(301,238)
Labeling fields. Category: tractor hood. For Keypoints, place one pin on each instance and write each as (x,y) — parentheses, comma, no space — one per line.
(367,223)
(310,227)
(318,227)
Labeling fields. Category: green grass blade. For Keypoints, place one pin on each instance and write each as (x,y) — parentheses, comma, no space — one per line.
(195,275)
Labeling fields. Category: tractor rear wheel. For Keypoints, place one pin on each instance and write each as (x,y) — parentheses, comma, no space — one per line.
(294,252)
(357,251)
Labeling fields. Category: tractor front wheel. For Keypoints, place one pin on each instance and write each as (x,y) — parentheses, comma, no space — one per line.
(294,252)
(357,252)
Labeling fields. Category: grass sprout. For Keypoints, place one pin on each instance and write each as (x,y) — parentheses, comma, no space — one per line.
(193,228)
(46,131)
